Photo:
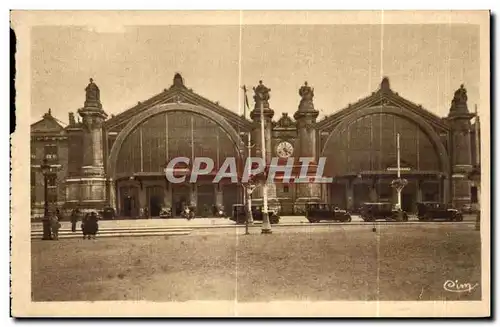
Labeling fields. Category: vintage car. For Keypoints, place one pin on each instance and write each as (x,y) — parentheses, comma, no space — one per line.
(427,211)
(166,212)
(107,213)
(371,211)
(239,214)
(315,212)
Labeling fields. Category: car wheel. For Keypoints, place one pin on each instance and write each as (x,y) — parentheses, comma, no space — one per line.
(349,219)
(459,218)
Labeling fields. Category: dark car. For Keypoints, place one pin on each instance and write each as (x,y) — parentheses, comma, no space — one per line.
(427,211)
(107,213)
(239,214)
(372,211)
(315,212)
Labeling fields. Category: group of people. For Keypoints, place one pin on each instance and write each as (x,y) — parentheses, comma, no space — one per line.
(89,225)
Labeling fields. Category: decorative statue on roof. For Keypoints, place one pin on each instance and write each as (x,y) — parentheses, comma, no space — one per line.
(92,95)
(459,102)
(261,95)
(92,92)
(460,95)
(307,94)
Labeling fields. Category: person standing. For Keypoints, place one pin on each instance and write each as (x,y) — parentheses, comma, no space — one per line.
(74,220)
(55,225)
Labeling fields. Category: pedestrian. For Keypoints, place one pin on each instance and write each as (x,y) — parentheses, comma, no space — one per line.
(74,219)
(85,225)
(55,225)
(93,224)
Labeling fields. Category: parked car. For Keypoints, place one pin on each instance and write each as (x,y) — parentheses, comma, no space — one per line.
(371,211)
(239,214)
(428,211)
(107,213)
(166,213)
(315,212)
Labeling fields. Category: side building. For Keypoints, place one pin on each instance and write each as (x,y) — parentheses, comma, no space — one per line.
(119,161)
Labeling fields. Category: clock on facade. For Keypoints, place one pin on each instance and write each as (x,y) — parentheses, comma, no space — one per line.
(284,149)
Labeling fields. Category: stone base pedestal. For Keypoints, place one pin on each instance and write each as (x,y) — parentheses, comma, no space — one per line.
(306,193)
(272,201)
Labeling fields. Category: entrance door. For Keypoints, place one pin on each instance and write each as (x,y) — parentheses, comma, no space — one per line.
(180,198)
(155,196)
(407,203)
(231,194)
(206,199)
(361,194)
(129,203)
(338,195)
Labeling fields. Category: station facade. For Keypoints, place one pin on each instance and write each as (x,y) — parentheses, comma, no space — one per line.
(119,161)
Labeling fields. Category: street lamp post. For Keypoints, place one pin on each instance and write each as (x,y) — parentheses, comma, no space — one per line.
(266,225)
(45,168)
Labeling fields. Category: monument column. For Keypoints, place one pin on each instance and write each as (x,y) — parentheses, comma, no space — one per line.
(461,151)
(306,119)
(93,179)
(261,98)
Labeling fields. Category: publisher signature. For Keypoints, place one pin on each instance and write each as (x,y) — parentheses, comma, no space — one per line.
(458,287)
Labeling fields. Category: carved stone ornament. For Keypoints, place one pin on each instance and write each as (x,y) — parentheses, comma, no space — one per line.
(285,121)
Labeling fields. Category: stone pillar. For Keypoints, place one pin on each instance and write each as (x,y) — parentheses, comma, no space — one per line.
(93,180)
(219,197)
(167,191)
(459,118)
(306,116)
(419,190)
(112,194)
(261,98)
(193,195)
(373,191)
(349,194)
(143,203)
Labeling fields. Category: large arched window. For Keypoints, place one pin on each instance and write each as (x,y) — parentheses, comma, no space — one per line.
(173,134)
(369,144)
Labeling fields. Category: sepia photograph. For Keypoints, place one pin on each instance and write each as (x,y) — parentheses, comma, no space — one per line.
(249,163)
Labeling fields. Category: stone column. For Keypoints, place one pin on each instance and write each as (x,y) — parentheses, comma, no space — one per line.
(142,199)
(193,195)
(419,190)
(112,194)
(261,98)
(219,197)
(167,191)
(373,191)
(459,118)
(306,116)
(349,194)
(92,173)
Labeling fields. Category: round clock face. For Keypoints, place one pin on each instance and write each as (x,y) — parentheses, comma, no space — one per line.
(284,149)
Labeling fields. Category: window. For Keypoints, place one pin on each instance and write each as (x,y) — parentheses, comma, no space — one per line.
(52,180)
(33,152)
(474,194)
(33,187)
(285,189)
(51,152)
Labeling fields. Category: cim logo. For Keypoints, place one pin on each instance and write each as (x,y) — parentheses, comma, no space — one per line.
(293,171)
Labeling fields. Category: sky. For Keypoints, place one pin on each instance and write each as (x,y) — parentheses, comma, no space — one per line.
(343,63)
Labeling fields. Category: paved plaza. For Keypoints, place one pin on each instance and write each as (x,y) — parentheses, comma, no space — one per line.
(310,262)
